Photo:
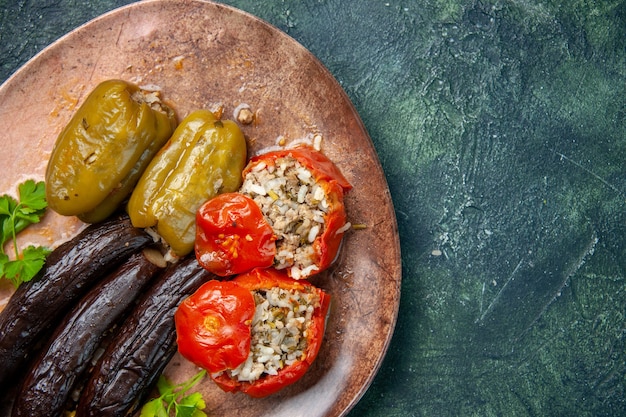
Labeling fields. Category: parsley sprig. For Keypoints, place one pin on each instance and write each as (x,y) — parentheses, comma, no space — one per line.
(174,398)
(15,216)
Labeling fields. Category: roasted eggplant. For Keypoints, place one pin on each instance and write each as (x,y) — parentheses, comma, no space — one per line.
(70,271)
(53,372)
(142,346)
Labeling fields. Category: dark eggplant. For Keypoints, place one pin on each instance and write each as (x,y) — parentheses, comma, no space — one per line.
(142,347)
(53,372)
(69,272)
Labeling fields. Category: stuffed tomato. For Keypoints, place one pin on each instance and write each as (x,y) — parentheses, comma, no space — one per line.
(299,197)
(257,333)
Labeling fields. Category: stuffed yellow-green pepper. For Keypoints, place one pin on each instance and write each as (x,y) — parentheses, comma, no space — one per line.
(204,157)
(100,155)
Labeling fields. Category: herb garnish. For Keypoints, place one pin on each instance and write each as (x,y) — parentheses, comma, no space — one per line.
(15,216)
(174,398)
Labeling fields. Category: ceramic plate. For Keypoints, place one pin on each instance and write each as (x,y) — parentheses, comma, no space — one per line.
(206,55)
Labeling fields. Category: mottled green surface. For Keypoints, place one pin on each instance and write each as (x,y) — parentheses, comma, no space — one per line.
(501,127)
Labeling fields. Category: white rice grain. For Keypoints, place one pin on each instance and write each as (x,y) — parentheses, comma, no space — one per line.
(313,233)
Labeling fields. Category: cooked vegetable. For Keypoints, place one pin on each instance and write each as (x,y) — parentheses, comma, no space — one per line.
(70,270)
(257,333)
(301,195)
(175,396)
(101,153)
(213,326)
(142,346)
(52,374)
(203,158)
(232,235)
(15,216)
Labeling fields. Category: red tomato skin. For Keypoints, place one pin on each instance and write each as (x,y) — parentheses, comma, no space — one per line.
(328,243)
(270,384)
(213,325)
(232,236)
(335,186)
(318,163)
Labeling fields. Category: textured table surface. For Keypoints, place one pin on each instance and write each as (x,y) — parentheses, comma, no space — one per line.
(501,127)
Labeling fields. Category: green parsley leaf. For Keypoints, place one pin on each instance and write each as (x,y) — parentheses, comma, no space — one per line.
(174,398)
(15,216)
(33,197)
(154,408)
(191,405)
(7,207)
(4,259)
(25,268)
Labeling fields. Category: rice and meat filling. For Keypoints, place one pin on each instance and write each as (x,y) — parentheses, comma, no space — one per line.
(294,205)
(279,331)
